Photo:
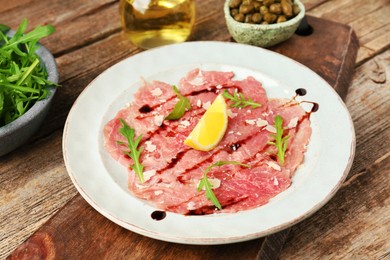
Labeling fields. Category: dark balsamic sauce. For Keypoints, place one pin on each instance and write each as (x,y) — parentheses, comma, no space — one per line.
(315,107)
(301,91)
(145,109)
(158,215)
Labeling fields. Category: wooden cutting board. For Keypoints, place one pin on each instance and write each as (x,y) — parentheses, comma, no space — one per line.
(77,231)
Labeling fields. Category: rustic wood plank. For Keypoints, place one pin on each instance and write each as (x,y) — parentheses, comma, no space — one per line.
(337,51)
(77,22)
(34,185)
(359,212)
(113,242)
(368,19)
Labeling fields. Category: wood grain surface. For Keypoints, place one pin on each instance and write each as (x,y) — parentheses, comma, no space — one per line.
(353,225)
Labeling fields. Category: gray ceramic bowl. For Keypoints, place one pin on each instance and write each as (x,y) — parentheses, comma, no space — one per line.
(262,35)
(20,130)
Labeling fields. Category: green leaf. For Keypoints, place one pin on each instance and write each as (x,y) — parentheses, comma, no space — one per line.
(281,142)
(180,107)
(239,100)
(4,28)
(132,144)
(205,183)
(23,79)
(38,33)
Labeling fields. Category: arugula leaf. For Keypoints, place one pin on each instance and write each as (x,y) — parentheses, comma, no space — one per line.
(135,152)
(240,100)
(4,28)
(281,142)
(180,107)
(23,79)
(205,183)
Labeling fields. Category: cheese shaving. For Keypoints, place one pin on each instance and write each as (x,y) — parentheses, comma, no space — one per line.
(156,92)
(158,120)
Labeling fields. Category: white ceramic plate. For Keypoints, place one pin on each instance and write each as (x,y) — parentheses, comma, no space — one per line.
(102,181)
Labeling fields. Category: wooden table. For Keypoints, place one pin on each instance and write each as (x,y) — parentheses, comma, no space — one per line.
(355,224)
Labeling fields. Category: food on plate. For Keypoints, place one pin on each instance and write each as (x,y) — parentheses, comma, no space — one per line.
(263,144)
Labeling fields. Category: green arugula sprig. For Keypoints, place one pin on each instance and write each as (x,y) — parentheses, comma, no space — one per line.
(132,144)
(281,141)
(239,100)
(181,106)
(204,182)
(23,80)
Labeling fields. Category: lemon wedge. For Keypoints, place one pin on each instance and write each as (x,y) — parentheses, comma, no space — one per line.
(211,127)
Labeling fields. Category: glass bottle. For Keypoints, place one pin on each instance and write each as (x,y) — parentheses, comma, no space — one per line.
(152,23)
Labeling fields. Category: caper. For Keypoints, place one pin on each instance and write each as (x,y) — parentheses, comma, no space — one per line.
(257,5)
(270,18)
(234,3)
(246,8)
(296,9)
(264,10)
(281,19)
(248,18)
(286,8)
(275,8)
(268,2)
(239,17)
(256,18)
(234,11)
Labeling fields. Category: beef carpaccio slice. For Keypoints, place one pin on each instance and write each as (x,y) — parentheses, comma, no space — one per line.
(172,170)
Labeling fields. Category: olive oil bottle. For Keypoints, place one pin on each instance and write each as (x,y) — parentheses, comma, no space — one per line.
(152,23)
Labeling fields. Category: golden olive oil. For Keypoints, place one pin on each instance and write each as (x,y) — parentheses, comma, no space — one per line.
(152,23)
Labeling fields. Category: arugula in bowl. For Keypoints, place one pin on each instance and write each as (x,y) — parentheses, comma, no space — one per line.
(23,79)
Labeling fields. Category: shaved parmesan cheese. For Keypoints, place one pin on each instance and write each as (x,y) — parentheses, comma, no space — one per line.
(276,182)
(156,92)
(158,192)
(184,123)
(261,122)
(206,105)
(150,147)
(250,121)
(149,174)
(271,129)
(274,165)
(293,123)
(191,205)
(158,120)
(231,114)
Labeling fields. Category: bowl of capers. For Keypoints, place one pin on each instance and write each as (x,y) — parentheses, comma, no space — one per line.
(263,23)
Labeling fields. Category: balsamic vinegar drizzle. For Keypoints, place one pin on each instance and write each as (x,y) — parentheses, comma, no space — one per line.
(158,215)
(302,92)
(145,109)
